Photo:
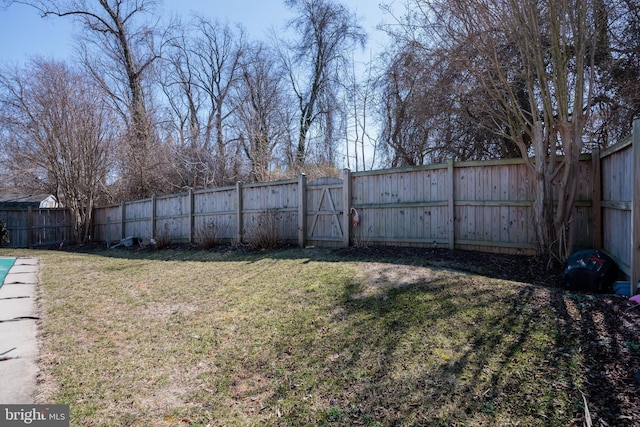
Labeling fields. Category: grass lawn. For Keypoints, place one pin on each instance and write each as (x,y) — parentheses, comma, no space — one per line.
(299,337)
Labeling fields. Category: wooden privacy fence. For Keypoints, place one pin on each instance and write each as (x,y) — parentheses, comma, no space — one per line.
(483,206)
(236,213)
(37,227)
(618,203)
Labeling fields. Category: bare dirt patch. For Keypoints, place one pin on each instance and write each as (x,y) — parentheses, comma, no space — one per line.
(380,277)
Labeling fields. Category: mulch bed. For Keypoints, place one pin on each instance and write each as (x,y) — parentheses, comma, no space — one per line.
(518,268)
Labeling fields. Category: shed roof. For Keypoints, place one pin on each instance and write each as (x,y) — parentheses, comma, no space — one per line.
(22,200)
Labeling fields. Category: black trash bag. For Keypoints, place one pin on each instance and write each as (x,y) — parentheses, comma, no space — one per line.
(590,271)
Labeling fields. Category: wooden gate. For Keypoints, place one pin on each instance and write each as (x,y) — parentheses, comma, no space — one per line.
(326,221)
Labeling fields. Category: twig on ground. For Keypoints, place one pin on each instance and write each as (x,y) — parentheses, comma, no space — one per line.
(587,414)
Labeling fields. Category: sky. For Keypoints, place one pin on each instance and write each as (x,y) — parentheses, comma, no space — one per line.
(24,34)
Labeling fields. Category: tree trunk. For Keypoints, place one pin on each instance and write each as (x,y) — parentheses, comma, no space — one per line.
(571,134)
(543,201)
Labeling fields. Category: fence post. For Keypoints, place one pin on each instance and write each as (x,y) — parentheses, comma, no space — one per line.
(192,218)
(123,212)
(239,211)
(302,209)
(29,227)
(635,207)
(108,232)
(596,198)
(153,216)
(451,208)
(346,207)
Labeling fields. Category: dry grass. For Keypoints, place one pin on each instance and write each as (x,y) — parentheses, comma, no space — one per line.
(294,337)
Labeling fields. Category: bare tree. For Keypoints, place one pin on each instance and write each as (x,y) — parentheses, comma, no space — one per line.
(118,49)
(327,30)
(427,111)
(58,132)
(529,67)
(202,67)
(359,102)
(192,156)
(407,109)
(263,110)
(617,101)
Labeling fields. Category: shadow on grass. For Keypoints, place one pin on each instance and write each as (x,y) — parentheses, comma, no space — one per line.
(445,353)
(464,353)
(453,349)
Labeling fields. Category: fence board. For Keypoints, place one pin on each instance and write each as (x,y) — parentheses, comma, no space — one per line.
(16,222)
(406,206)
(50,227)
(214,215)
(138,218)
(272,206)
(107,224)
(492,205)
(616,192)
(173,217)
